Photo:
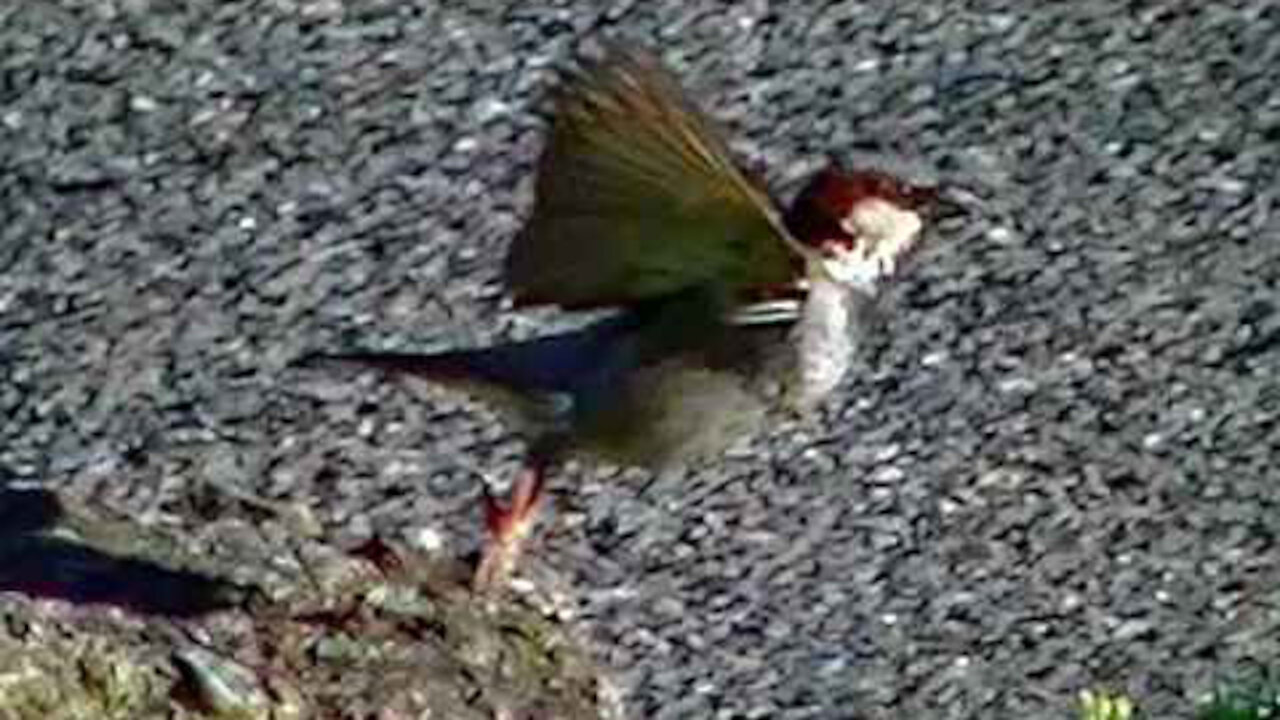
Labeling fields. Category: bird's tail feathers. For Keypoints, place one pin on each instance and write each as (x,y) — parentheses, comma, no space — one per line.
(438,367)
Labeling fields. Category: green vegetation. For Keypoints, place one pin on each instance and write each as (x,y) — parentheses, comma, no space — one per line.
(1255,697)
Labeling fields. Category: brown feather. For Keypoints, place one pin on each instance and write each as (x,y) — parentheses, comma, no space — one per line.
(638,196)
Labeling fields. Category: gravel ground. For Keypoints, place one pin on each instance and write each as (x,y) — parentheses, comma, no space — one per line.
(1053,472)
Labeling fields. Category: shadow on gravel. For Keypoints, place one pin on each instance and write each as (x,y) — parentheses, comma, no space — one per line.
(39,558)
(348,640)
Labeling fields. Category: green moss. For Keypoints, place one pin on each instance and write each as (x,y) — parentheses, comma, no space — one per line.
(1250,698)
(77,678)
(340,641)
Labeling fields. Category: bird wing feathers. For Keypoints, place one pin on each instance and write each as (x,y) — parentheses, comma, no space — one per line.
(638,197)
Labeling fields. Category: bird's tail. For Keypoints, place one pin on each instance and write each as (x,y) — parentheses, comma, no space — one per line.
(438,367)
(554,364)
(487,375)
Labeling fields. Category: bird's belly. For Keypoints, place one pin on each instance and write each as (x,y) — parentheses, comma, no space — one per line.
(673,413)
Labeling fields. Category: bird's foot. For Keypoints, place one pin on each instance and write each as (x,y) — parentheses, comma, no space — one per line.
(508,529)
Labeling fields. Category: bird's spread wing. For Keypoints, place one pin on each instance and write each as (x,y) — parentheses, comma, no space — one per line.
(637,197)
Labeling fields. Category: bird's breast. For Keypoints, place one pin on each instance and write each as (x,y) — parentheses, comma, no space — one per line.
(824,342)
(674,412)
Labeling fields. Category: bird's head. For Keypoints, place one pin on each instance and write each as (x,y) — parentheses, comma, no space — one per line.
(861,223)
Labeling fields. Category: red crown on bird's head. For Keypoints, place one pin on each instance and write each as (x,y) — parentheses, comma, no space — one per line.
(818,212)
(863,222)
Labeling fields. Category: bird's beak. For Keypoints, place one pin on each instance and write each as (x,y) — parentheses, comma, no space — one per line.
(949,206)
(952,202)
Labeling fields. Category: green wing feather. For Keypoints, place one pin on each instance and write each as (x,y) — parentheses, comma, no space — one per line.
(638,197)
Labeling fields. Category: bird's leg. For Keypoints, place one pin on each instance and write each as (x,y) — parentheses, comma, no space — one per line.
(509,527)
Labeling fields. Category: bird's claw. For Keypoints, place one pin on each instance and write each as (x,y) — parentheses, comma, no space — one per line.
(509,527)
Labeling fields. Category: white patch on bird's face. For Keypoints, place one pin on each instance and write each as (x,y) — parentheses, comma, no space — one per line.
(881,233)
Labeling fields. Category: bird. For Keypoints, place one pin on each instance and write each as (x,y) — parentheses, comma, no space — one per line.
(727,311)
